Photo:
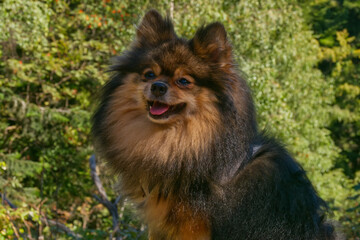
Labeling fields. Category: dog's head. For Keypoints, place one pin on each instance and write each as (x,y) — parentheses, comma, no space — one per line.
(172,79)
(169,97)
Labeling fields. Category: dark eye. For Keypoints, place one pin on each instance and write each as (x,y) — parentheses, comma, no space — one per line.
(149,75)
(183,82)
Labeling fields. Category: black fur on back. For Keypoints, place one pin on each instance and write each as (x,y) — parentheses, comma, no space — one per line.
(271,198)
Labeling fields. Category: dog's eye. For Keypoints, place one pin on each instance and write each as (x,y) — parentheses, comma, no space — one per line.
(183,82)
(149,75)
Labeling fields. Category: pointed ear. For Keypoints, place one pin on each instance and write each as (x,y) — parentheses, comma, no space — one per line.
(210,43)
(153,30)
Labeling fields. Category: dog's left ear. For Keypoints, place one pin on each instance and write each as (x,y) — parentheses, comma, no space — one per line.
(210,43)
(154,30)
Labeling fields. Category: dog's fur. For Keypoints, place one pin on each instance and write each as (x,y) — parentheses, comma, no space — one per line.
(204,171)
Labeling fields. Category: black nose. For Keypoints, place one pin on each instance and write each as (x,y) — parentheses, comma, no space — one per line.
(158,89)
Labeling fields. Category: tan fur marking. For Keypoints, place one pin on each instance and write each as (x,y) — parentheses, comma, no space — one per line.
(156,211)
(193,228)
(175,220)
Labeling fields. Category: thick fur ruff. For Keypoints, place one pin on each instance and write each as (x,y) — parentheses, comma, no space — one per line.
(176,122)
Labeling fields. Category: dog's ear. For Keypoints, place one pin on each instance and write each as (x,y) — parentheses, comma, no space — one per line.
(154,30)
(210,43)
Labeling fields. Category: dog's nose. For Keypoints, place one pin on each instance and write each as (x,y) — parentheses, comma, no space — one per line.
(158,89)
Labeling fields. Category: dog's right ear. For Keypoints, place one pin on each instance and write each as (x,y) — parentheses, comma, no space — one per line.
(210,43)
(154,30)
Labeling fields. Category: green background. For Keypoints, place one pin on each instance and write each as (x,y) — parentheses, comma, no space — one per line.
(301,59)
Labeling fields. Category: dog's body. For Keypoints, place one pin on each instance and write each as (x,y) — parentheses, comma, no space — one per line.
(177,123)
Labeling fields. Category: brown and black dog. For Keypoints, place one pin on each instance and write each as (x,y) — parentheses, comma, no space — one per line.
(177,123)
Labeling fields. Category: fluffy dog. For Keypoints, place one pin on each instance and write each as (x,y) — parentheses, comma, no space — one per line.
(177,123)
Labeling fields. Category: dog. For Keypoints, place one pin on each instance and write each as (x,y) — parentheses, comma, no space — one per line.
(177,123)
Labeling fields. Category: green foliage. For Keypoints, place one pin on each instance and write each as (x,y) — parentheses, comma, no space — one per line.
(17,20)
(345,124)
(10,220)
(54,55)
(329,16)
(335,26)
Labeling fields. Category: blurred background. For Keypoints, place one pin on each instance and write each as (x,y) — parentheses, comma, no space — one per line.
(301,59)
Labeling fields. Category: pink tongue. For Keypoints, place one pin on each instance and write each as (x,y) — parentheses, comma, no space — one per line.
(158,108)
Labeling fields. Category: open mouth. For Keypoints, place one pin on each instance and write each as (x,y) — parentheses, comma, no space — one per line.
(159,110)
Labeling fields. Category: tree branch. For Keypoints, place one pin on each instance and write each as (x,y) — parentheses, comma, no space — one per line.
(60,226)
(103,199)
(5,200)
(96,178)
